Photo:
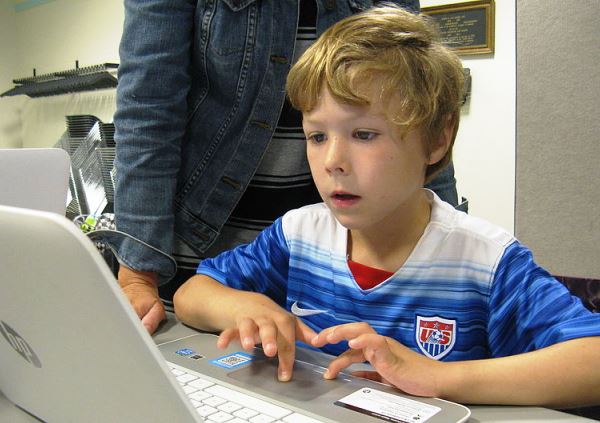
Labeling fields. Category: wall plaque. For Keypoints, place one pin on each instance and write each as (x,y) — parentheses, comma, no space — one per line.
(466,28)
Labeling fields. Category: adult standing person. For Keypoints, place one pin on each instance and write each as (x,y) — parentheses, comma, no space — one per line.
(208,151)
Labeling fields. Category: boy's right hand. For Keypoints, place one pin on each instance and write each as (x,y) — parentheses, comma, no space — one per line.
(261,320)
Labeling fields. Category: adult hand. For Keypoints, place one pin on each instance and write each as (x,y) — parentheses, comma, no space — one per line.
(141,288)
(261,320)
(394,364)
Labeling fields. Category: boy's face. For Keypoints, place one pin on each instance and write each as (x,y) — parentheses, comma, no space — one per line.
(365,171)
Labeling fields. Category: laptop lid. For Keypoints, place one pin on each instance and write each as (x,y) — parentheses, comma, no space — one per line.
(35,178)
(71,347)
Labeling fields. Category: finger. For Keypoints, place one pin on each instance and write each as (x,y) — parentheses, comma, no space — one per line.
(286,346)
(248,332)
(348,331)
(142,302)
(336,334)
(321,338)
(268,336)
(374,347)
(153,317)
(366,374)
(304,333)
(226,337)
(344,360)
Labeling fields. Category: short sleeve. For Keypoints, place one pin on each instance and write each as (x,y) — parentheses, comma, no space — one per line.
(261,266)
(530,309)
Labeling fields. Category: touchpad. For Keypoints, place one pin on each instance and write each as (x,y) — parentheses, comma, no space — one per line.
(307,379)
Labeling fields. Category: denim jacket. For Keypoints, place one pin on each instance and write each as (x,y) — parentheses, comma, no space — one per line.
(201,87)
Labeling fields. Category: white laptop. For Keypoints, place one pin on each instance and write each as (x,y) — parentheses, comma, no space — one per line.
(73,350)
(35,178)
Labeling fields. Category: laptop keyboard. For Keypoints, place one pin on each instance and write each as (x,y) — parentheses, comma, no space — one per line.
(218,403)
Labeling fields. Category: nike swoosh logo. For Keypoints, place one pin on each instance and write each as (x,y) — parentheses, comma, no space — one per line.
(301,312)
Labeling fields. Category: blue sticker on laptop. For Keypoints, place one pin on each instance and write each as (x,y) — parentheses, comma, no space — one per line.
(188,353)
(232,360)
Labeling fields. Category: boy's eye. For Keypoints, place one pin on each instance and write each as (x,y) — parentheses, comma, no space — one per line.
(316,137)
(364,135)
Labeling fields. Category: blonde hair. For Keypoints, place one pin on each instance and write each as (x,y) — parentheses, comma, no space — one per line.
(394,53)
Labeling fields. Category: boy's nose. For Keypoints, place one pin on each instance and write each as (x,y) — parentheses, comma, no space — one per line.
(335,159)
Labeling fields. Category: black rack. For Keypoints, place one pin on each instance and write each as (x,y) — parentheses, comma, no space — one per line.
(73,80)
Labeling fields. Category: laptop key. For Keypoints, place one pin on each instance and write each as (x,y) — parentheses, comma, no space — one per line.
(220,417)
(177,372)
(206,410)
(214,401)
(199,395)
(249,402)
(188,389)
(245,413)
(262,418)
(186,378)
(200,383)
(229,407)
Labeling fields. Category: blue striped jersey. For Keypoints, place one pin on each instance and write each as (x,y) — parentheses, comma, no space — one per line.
(469,289)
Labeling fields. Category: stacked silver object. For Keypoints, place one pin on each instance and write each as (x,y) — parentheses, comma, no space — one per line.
(90,144)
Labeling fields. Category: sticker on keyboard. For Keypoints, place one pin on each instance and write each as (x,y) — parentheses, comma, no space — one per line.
(232,360)
(389,407)
(186,352)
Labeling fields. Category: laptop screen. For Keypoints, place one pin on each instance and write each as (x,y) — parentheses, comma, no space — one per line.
(35,178)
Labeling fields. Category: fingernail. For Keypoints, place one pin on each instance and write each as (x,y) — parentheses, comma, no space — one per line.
(248,342)
(314,340)
(326,374)
(284,376)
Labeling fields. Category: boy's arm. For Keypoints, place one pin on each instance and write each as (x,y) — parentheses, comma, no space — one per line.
(249,317)
(562,375)
(206,304)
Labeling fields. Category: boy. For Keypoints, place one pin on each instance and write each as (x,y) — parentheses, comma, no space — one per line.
(440,303)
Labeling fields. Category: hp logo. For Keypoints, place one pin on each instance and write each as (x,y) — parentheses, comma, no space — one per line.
(19,344)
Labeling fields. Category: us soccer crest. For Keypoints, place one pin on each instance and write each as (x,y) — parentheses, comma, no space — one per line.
(435,336)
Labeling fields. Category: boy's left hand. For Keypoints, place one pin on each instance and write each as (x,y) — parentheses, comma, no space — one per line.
(395,364)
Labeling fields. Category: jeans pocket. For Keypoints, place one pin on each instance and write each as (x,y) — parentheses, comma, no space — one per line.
(237,5)
(228,30)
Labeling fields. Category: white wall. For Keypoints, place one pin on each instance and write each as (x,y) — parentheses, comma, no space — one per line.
(8,47)
(50,37)
(484,154)
(9,107)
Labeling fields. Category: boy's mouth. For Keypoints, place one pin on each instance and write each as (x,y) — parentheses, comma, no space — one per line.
(343,195)
(344,199)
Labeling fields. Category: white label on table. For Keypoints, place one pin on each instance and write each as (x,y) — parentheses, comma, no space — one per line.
(393,408)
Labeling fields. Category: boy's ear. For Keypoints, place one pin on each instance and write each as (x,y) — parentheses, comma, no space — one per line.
(439,149)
